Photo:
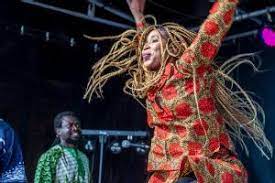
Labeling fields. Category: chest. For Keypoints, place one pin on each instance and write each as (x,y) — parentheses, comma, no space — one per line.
(68,168)
(177,95)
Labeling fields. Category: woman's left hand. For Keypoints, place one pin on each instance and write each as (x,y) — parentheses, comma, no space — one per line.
(137,9)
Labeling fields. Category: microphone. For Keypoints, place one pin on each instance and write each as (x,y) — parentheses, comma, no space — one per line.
(89,146)
(127,144)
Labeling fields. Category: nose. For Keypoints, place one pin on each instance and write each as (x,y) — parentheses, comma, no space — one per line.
(75,127)
(146,46)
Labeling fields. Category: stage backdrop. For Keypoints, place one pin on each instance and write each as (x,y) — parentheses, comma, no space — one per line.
(38,80)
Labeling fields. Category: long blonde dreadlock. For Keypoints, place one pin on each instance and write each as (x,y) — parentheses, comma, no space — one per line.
(244,117)
(125,56)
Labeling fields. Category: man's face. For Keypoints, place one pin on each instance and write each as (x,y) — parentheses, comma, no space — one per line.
(69,131)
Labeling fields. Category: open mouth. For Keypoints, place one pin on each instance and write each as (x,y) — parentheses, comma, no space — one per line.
(146,56)
(75,134)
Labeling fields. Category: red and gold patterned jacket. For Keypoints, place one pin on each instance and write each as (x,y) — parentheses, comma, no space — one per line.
(181,108)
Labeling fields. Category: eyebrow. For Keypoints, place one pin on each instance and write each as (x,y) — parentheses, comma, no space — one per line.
(73,121)
(155,36)
(152,37)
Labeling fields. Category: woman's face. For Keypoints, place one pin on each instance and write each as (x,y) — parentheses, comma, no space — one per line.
(151,52)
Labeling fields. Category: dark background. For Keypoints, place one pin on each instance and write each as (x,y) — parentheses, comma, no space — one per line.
(39,78)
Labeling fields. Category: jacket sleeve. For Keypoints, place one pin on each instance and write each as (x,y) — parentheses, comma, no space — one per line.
(211,33)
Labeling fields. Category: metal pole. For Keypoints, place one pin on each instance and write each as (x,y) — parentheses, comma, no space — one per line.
(112,10)
(247,15)
(102,140)
(244,34)
(77,14)
(255,13)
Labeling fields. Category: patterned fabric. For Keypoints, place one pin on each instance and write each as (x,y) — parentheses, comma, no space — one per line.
(12,167)
(190,135)
(63,165)
(223,167)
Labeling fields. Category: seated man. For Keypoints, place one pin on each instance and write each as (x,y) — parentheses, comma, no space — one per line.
(12,168)
(64,162)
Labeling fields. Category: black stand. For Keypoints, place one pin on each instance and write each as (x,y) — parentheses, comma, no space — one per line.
(103,134)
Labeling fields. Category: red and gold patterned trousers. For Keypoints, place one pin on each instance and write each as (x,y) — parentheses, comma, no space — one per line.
(221,168)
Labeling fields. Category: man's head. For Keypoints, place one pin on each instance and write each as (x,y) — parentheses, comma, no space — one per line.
(67,128)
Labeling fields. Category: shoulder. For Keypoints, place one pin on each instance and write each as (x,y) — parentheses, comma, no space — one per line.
(83,155)
(54,149)
(53,152)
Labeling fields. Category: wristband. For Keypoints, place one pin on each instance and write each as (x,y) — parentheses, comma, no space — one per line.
(139,24)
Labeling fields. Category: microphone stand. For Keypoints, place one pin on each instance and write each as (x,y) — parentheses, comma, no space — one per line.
(102,140)
(103,134)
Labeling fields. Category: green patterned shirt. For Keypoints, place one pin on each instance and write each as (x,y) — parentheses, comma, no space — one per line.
(62,165)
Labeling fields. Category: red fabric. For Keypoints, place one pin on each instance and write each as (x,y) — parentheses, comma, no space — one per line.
(199,178)
(206,105)
(181,131)
(227,178)
(228,16)
(159,151)
(200,127)
(213,87)
(203,70)
(140,25)
(214,8)
(175,150)
(162,132)
(211,28)
(189,86)
(157,178)
(149,118)
(224,139)
(180,74)
(219,119)
(194,148)
(183,110)
(214,144)
(165,115)
(237,169)
(169,92)
(208,50)
(188,57)
(210,168)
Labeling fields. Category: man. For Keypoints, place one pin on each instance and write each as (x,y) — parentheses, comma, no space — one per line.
(12,168)
(64,163)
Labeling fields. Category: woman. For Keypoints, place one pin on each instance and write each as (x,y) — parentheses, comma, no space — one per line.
(187,101)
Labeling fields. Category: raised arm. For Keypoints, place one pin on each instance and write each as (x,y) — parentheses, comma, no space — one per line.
(137,9)
(208,41)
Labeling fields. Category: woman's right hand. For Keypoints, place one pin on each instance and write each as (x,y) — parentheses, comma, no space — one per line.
(137,9)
